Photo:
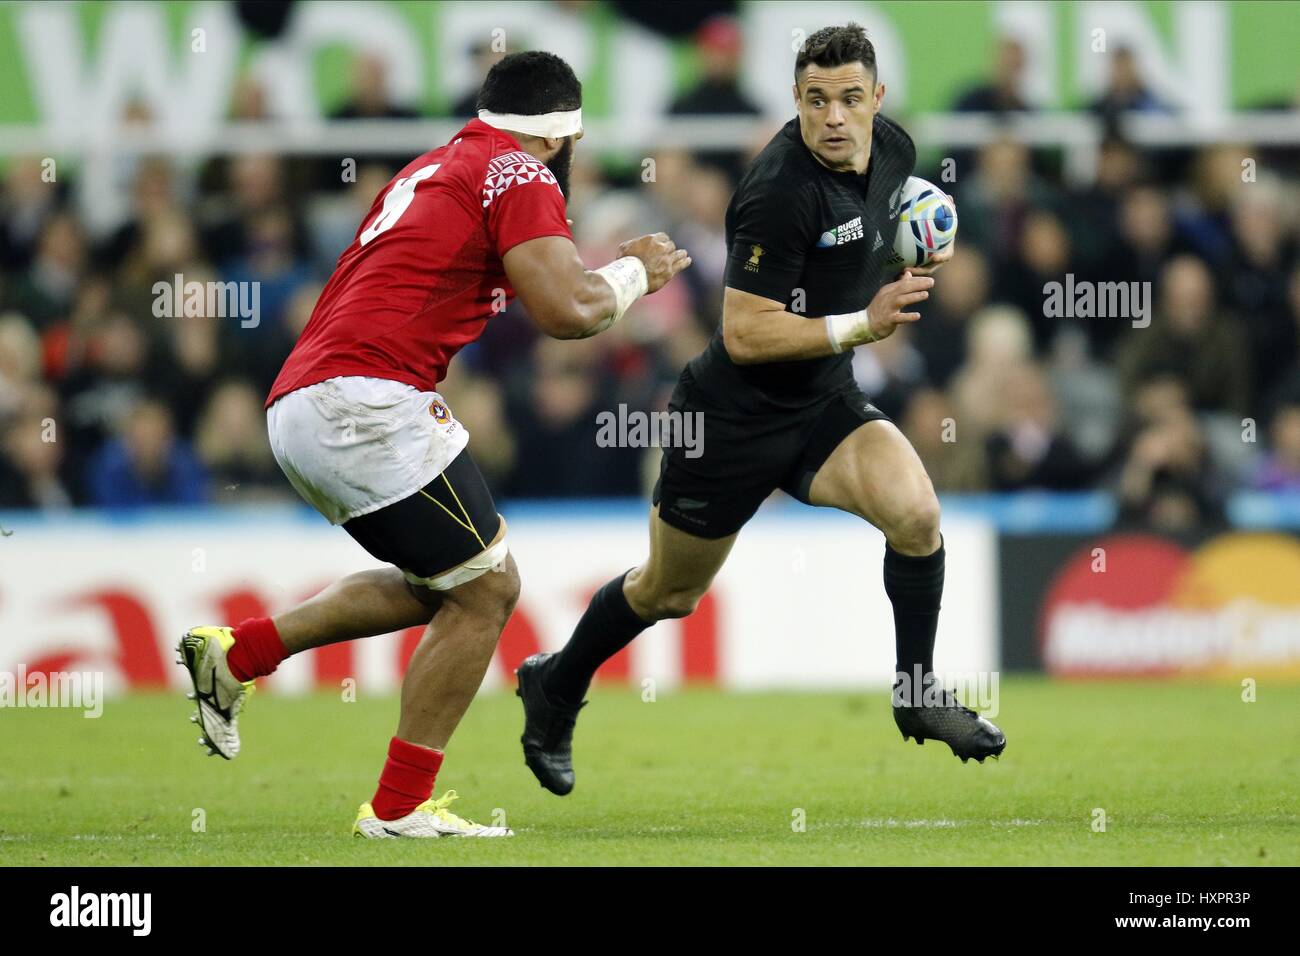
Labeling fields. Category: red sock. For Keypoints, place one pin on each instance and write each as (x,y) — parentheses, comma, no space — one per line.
(407,780)
(258,649)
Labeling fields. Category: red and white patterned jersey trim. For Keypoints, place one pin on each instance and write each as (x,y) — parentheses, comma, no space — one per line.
(514,169)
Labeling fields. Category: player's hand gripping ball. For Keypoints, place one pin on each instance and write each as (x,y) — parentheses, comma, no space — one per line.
(927,224)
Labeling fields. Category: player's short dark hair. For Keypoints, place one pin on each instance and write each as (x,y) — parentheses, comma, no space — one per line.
(836,46)
(529,83)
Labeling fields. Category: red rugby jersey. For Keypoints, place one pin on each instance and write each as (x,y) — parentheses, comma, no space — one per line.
(424,270)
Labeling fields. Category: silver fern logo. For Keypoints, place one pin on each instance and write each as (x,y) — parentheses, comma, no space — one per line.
(896,200)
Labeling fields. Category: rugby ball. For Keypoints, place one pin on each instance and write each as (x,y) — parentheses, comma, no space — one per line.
(927,223)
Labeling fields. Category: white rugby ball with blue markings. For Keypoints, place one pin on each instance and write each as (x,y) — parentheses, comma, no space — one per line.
(927,224)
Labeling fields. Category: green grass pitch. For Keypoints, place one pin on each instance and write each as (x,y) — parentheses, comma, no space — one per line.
(1187,774)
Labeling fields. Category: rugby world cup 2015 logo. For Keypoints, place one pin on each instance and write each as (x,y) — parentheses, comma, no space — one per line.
(841,234)
(1141,605)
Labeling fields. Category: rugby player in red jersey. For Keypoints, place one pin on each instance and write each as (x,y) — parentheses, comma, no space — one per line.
(357,425)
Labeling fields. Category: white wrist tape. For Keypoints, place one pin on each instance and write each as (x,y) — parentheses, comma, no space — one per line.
(627,278)
(848,330)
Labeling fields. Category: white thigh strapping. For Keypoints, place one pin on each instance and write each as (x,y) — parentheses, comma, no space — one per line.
(475,567)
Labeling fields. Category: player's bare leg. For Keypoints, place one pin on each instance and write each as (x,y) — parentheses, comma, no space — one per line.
(669,584)
(441,680)
(224,662)
(453,655)
(677,574)
(364,604)
(875,473)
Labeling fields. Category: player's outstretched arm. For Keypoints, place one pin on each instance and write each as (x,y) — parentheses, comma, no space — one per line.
(567,301)
(757,330)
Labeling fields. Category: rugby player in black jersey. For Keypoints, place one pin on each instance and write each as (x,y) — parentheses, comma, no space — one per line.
(809,232)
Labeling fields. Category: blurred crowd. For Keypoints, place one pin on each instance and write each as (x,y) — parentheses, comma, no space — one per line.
(103,402)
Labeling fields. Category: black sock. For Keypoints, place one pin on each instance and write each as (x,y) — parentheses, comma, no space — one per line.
(608,626)
(915,587)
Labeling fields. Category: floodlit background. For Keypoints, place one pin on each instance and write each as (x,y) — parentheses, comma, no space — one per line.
(1120,492)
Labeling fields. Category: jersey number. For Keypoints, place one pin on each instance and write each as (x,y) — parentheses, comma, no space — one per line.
(397,201)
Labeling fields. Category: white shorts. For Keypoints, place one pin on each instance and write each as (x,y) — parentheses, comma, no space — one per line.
(352,445)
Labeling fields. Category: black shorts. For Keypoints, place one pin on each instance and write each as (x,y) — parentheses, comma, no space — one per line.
(440,527)
(745,457)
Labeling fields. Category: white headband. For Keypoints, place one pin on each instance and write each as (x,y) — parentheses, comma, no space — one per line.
(547,125)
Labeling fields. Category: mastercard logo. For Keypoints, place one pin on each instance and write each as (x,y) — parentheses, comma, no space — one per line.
(1138,605)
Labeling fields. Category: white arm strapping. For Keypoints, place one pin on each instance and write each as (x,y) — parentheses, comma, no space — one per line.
(627,279)
(848,330)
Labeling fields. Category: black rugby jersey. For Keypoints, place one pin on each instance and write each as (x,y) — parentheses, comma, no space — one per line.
(814,239)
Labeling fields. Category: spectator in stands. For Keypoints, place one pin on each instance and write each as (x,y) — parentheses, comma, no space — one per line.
(248,101)
(890,371)
(248,104)
(1044,255)
(1095,211)
(485,57)
(257,184)
(154,197)
(555,428)
(700,194)
(196,354)
(147,464)
(718,46)
(98,395)
(953,459)
(263,363)
(1167,482)
(941,332)
(66,343)
(334,216)
(30,465)
(1255,280)
(1203,212)
(370,96)
(1189,329)
(231,441)
(1126,92)
(166,245)
(1279,469)
(1027,447)
(27,202)
(20,361)
(272,261)
(46,290)
(1146,237)
(480,406)
(995,201)
(1002,92)
(998,339)
(673,169)
(1293,310)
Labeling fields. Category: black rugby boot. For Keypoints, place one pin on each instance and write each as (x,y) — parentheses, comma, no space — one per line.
(942,717)
(548,728)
